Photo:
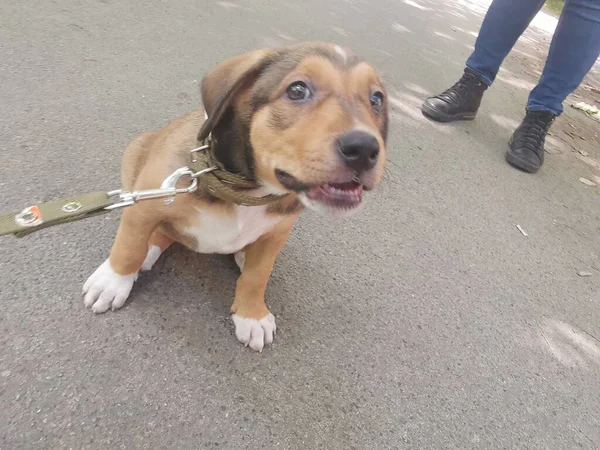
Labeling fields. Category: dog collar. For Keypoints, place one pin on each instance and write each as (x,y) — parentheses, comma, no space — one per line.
(217,182)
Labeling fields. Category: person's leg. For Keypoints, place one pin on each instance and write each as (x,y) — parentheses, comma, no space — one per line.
(574,49)
(504,22)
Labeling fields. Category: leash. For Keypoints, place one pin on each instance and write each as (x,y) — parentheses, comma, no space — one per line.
(205,173)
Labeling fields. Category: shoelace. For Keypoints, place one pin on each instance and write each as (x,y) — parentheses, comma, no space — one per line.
(459,89)
(534,129)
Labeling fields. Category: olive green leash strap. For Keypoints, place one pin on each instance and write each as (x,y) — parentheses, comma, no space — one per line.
(56,212)
(205,174)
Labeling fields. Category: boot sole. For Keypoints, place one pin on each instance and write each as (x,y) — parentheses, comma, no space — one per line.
(439,116)
(519,163)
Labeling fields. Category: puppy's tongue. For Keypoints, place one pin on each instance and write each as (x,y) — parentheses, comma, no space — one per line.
(341,194)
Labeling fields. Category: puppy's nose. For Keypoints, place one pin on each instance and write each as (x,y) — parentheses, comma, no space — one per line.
(359,150)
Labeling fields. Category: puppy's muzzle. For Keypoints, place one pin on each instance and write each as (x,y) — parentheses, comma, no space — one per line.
(359,150)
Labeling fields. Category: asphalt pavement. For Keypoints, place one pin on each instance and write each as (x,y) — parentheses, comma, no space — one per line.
(428,321)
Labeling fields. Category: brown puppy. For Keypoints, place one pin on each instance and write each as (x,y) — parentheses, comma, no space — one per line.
(309,121)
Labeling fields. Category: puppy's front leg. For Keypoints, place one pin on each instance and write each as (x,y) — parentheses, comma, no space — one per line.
(254,324)
(110,285)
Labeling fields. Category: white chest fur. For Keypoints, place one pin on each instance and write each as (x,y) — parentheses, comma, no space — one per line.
(229,234)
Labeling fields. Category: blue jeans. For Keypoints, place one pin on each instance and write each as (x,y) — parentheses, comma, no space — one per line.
(573,51)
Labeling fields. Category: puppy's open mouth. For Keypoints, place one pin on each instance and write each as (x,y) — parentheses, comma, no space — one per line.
(345,195)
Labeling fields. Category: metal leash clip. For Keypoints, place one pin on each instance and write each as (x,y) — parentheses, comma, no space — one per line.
(167,189)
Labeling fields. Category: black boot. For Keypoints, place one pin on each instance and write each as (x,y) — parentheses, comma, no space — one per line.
(526,145)
(460,102)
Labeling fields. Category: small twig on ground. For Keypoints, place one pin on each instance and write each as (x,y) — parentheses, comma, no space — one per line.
(591,335)
(544,336)
(523,232)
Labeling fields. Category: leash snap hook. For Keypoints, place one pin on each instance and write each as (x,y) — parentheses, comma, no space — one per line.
(169,185)
(168,189)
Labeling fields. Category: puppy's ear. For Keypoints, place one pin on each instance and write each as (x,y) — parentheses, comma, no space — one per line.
(226,81)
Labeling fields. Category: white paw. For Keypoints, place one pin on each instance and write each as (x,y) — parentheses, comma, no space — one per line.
(240,259)
(106,289)
(255,333)
(152,256)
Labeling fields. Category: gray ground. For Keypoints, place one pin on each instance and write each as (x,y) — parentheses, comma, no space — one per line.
(428,321)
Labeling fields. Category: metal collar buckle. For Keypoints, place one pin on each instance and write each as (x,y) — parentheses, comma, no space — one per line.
(202,148)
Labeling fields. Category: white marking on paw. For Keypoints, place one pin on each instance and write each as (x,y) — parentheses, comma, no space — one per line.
(240,260)
(152,256)
(255,333)
(106,289)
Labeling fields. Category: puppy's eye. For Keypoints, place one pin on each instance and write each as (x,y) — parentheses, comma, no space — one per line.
(298,91)
(376,101)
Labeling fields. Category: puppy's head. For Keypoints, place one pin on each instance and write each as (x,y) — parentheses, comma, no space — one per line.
(310,120)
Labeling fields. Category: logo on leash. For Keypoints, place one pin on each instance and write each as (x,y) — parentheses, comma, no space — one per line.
(29,217)
(71,207)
